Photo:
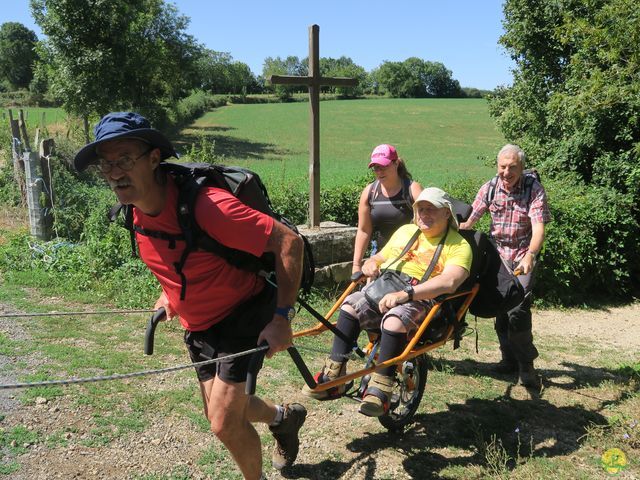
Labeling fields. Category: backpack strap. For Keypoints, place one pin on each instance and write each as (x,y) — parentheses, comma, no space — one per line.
(491,191)
(188,188)
(530,176)
(406,192)
(127,211)
(528,186)
(373,190)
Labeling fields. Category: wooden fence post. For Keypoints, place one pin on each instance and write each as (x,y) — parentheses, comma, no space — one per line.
(37,226)
(17,149)
(45,152)
(26,165)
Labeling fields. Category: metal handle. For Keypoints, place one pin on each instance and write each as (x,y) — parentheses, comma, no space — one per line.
(302,367)
(151,329)
(355,277)
(255,362)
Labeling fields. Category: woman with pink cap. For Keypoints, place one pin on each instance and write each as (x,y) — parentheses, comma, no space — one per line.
(386,204)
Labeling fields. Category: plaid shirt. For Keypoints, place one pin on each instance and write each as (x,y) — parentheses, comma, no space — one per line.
(511,216)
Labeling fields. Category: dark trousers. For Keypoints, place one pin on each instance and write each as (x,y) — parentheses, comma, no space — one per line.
(514,327)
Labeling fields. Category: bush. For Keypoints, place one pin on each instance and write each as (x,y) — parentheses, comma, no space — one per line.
(339,204)
(9,191)
(194,106)
(590,249)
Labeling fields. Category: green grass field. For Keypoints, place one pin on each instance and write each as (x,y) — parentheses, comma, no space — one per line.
(440,139)
(36,117)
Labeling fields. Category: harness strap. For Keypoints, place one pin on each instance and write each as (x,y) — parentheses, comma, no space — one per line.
(159,235)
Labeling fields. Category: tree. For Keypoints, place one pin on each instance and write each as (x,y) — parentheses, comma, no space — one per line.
(288,66)
(17,54)
(343,67)
(416,78)
(218,73)
(128,54)
(396,80)
(575,101)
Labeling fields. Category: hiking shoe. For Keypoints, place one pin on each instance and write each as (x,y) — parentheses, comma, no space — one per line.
(287,444)
(329,372)
(528,376)
(505,366)
(375,401)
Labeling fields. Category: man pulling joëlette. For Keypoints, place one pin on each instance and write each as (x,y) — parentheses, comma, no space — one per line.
(225,309)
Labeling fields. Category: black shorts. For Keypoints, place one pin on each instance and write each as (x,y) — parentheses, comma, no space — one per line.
(236,333)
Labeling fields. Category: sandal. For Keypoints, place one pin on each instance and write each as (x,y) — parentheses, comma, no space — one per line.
(375,401)
(331,371)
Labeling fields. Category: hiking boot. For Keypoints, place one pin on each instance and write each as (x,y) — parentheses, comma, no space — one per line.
(285,450)
(505,366)
(329,372)
(375,402)
(528,376)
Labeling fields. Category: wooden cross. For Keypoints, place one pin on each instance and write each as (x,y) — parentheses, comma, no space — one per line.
(314,81)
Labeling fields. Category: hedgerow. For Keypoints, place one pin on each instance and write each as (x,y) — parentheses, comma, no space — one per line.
(590,249)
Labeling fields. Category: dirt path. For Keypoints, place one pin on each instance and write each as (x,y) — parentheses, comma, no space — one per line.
(329,446)
(616,326)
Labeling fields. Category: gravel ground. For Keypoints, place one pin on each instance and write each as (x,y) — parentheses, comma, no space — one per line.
(173,444)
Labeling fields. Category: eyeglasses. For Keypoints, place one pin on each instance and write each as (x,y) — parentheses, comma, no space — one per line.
(379,168)
(125,163)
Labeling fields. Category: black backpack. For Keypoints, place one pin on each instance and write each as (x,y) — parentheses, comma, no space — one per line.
(500,290)
(241,183)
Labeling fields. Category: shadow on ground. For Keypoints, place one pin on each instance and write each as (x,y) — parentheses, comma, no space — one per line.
(226,145)
(571,376)
(524,428)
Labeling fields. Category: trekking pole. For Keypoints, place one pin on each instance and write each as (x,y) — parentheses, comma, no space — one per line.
(159,314)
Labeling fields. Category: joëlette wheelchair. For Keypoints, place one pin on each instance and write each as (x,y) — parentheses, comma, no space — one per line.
(444,322)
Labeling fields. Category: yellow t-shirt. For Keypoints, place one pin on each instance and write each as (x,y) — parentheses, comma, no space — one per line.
(456,251)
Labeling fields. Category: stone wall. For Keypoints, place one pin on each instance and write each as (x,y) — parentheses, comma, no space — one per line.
(332,246)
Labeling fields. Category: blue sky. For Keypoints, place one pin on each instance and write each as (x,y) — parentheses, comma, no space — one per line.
(463,34)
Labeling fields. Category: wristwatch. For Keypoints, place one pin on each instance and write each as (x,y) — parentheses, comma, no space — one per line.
(287,312)
(409,291)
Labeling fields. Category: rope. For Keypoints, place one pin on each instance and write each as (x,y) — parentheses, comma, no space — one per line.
(120,376)
(57,314)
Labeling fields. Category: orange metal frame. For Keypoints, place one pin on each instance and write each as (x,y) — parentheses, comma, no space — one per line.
(411,350)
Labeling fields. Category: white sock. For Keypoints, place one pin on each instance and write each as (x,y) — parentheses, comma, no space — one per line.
(278,418)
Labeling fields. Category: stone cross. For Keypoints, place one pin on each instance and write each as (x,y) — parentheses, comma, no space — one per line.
(314,81)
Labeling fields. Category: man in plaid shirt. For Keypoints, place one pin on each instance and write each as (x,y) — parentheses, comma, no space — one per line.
(519,212)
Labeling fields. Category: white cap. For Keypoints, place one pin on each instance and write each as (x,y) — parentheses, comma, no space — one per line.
(439,199)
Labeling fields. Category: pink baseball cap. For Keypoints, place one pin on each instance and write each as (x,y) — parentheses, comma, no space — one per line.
(383,155)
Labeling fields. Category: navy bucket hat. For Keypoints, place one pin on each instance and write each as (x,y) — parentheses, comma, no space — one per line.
(117,125)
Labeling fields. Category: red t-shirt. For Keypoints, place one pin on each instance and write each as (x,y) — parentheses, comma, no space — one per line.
(214,287)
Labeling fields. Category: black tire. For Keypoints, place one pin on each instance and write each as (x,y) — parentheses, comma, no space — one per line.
(407,393)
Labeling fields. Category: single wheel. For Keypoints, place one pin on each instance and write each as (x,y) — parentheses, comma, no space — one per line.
(411,381)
